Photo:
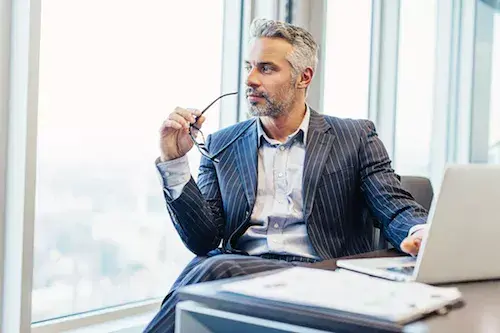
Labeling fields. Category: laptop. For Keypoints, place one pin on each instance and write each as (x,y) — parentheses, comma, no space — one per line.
(463,239)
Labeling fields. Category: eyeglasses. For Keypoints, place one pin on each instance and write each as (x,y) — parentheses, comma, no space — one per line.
(198,138)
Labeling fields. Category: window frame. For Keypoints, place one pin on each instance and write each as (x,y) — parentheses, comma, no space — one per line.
(479,114)
(19,95)
(20,27)
(460,125)
(143,310)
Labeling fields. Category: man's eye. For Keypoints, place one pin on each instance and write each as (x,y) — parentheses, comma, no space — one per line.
(248,68)
(267,69)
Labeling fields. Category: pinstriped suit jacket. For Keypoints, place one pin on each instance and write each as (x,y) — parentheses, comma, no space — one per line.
(347,177)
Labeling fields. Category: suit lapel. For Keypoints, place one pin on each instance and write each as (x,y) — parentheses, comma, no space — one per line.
(318,147)
(246,160)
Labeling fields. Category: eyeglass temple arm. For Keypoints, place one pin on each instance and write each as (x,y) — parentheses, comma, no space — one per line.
(209,105)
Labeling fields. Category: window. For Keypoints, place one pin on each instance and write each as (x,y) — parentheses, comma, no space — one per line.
(494,139)
(110,72)
(347,58)
(414,108)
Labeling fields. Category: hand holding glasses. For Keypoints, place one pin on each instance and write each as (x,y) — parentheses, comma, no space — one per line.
(200,141)
(181,130)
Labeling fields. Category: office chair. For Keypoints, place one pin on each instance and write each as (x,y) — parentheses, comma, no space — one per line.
(421,189)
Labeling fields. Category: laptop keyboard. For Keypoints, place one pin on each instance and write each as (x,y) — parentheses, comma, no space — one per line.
(407,270)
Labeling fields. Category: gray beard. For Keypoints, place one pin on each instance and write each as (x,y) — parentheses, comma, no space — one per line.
(271,109)
(268,110)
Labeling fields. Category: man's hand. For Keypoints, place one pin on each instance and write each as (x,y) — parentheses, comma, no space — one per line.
(175,141)
(411,244)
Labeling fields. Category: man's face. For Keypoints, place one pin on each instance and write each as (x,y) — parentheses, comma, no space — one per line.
(270,84)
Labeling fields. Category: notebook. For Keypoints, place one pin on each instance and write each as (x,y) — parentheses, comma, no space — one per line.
(349,292)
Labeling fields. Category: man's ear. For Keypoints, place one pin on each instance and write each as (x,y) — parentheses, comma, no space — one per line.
(305,78)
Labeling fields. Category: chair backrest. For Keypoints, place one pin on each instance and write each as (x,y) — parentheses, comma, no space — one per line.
(421,190)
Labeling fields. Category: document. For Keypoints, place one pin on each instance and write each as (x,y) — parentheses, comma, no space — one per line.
(342,290)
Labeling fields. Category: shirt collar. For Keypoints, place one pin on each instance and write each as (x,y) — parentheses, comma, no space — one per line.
(303,127)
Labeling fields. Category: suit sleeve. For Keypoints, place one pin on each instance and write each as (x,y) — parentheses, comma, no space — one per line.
(197,213)
(389,203)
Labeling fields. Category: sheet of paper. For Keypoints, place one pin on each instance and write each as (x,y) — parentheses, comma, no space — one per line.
(347,291)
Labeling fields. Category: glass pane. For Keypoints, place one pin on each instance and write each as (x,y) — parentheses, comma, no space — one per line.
(417,41)
(110,72)
(347,58)
(494,95)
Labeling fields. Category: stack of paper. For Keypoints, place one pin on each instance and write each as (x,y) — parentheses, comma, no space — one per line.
(342,290)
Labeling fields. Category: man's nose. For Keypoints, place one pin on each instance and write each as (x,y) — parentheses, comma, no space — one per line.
(252,78)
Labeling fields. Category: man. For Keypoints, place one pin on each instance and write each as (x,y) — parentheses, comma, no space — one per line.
(291,186)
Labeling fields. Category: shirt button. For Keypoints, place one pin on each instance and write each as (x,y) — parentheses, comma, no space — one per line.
(282,148)
(280,174)
(167,173)
(276,225)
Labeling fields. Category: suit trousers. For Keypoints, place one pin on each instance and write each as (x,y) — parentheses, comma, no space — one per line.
(202,269)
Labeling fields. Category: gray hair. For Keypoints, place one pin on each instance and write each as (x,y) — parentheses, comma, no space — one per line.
(305,50)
